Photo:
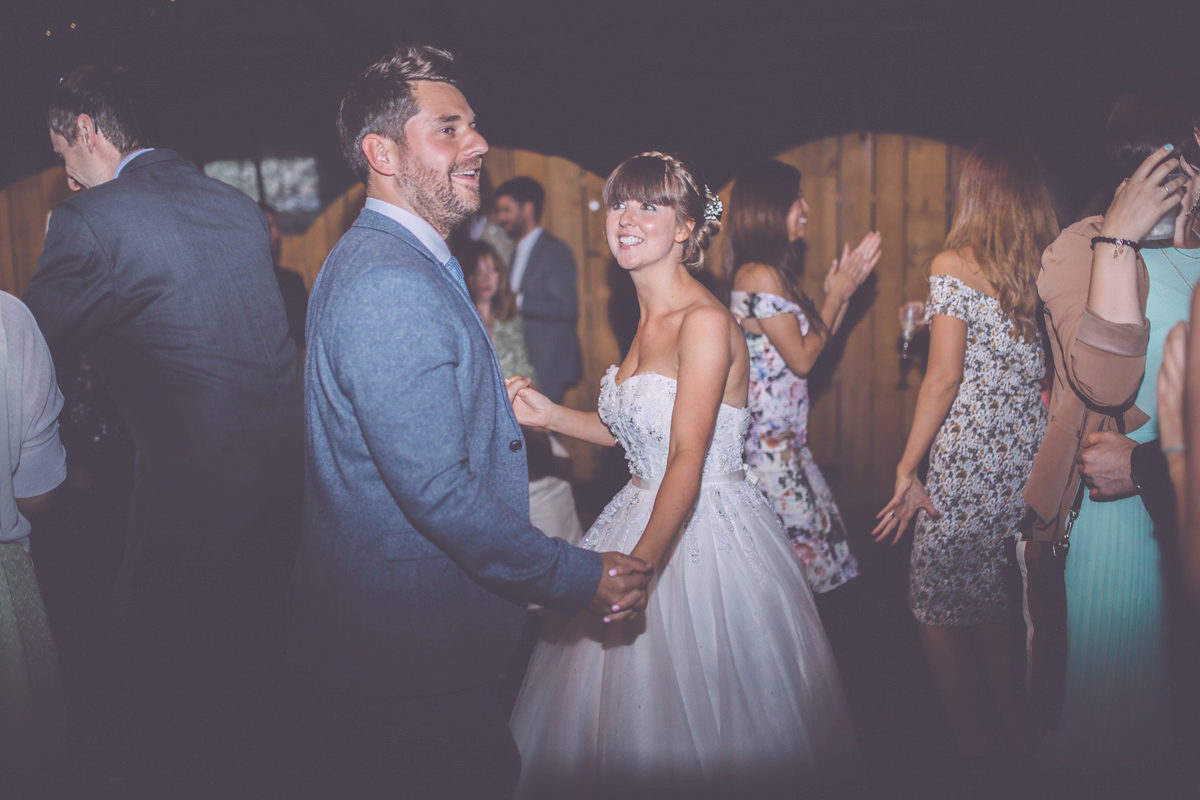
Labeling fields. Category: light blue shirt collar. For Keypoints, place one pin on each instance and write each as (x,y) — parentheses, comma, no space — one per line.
(418,227)
(129,158)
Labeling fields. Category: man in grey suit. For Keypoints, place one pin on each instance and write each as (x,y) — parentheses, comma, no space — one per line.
(543,276)
(417,559)
(165,277)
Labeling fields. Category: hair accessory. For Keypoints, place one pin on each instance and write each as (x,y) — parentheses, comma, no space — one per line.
(1119,244)
(713,208)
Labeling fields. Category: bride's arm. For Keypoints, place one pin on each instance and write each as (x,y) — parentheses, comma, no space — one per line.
(534,410)
(704,363)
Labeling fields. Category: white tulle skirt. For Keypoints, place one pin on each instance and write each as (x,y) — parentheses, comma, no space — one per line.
(725,683)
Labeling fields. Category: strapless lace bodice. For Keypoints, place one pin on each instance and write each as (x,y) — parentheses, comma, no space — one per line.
(638,412)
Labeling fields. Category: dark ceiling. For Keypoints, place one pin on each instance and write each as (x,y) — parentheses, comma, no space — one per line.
(727,82)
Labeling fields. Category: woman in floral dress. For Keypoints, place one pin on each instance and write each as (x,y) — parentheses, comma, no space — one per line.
(786,333)
(980,416)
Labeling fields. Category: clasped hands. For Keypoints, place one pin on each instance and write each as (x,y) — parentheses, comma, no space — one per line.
(624,583)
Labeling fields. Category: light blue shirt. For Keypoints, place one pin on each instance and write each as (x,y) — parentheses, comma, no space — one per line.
(129,158)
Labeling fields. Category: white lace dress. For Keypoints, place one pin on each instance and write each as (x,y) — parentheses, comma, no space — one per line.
(726,682)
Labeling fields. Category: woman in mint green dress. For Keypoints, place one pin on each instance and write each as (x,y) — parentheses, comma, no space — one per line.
(1109,308)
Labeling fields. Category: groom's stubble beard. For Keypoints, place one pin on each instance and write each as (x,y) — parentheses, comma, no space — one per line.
(434,195)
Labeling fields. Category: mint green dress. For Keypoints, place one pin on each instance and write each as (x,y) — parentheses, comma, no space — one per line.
(1115,712)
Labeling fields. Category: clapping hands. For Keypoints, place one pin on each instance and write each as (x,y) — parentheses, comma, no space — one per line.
(848,272)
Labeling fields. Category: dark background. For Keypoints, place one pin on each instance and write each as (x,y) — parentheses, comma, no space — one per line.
(725,82)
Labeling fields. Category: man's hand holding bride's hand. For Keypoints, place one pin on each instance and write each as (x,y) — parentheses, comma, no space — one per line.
(622,592)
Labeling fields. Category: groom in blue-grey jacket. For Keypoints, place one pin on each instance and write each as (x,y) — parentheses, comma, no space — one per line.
(417,558)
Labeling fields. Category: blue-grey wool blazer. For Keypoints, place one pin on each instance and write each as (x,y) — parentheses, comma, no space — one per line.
(417,557)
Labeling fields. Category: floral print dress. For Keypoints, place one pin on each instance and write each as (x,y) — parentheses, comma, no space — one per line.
(978,465)
(777,450)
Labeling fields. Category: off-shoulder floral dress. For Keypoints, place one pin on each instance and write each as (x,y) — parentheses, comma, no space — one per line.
(777,450)
(978,465)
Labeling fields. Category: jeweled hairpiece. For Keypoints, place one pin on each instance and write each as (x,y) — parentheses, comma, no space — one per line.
(713,208)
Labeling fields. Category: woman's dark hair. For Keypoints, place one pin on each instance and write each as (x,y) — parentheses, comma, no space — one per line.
(666,180)
(1146,118)
(382,100)
(469,254)
(760,201)
(110,96)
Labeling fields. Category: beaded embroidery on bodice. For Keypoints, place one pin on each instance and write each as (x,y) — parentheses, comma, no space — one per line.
(639,411)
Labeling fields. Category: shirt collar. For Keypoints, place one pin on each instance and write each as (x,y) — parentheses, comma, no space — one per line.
(425,233)
(129,158)
(530,239)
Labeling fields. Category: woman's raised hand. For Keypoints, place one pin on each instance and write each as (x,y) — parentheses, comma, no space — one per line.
(1141,200)
(910,498)
(848,273)
(532,408)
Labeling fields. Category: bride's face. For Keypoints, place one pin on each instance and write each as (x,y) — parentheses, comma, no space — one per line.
(642,233)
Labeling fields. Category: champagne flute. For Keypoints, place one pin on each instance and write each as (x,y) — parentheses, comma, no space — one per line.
(908,325)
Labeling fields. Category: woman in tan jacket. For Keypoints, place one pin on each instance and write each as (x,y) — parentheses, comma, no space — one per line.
(1110,298)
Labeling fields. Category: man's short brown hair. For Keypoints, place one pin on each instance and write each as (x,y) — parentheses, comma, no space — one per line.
(382,100)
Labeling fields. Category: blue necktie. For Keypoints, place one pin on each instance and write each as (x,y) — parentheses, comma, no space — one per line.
(455,270)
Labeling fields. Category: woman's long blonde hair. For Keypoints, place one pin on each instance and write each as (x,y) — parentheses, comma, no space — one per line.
(1004,218)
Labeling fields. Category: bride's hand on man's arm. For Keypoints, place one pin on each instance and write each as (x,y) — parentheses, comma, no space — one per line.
(532,408)
(910,498)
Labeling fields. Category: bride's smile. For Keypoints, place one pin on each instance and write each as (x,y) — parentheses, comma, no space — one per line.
(641,233)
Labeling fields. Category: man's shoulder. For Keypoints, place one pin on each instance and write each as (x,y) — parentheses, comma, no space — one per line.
(156,178)
(550,247)
(371,259)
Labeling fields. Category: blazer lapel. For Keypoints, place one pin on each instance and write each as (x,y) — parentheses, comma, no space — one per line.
(384,224)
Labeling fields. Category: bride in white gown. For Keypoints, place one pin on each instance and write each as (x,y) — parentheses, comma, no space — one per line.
(726,681)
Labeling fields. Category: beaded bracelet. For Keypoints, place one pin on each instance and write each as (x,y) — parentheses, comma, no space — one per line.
(1119,244)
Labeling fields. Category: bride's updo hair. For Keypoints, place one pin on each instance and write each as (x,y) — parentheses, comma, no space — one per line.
(666,180)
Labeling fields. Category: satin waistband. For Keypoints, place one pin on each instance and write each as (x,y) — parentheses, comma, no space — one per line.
(708,480)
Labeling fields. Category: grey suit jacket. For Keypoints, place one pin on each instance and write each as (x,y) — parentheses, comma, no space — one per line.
(165,277)
(549,310)
(417,557)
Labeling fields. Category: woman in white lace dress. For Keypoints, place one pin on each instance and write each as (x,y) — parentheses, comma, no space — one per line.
(980,416)
(726,682)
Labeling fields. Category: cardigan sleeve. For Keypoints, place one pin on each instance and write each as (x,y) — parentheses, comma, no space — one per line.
(1103,361)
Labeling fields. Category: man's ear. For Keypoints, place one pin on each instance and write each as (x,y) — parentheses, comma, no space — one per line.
(85,132)
(382,154)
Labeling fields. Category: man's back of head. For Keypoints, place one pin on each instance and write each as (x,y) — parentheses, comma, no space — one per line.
(110,97)
(96,116)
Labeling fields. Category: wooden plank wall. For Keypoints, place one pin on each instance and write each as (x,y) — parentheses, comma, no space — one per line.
(862,404)
(24,208)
